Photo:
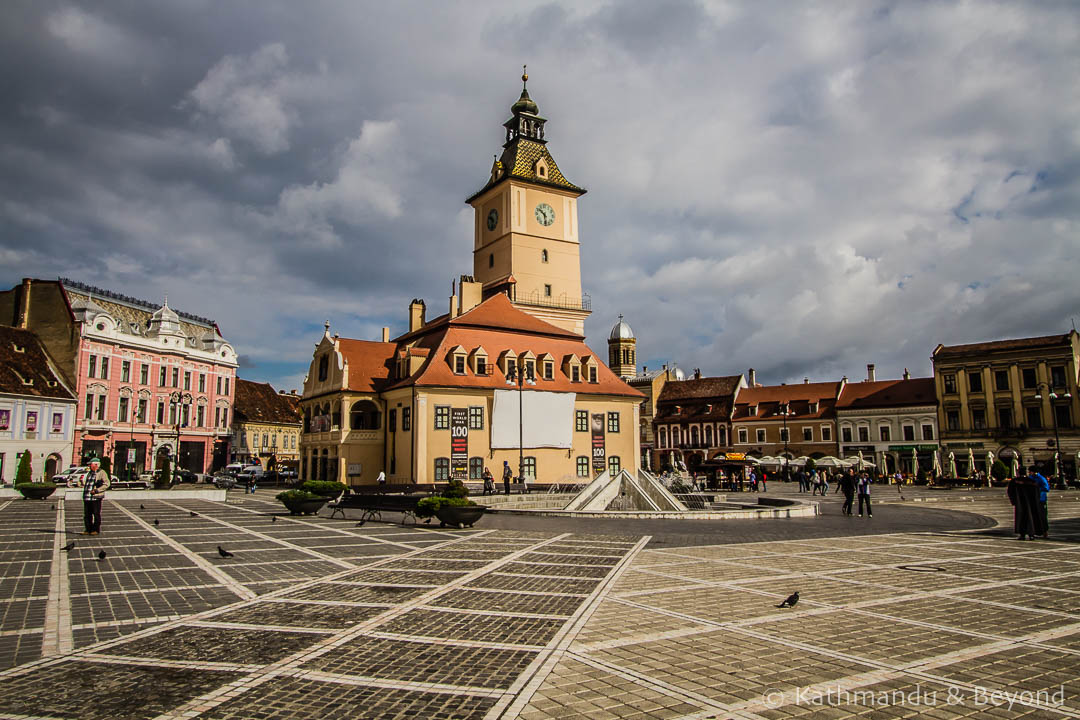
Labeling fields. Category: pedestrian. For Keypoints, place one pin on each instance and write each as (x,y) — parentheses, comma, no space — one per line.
(94,487)
(753,481)
(864,495)
(1024,497)
(1042,485)
(764,477)
(847,484)
(381,481)
(507,475)
(824,483)
(489,482)
(838,488)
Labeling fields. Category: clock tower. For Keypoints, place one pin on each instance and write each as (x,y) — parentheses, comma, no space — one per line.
(526,226)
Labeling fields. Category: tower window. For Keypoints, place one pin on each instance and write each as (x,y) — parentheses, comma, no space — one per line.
(547,290)
(543,256)
(491,260)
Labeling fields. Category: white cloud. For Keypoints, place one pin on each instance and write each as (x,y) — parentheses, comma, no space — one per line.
(89,34)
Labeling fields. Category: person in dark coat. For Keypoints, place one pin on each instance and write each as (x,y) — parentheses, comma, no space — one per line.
(1024,496)
(847,485)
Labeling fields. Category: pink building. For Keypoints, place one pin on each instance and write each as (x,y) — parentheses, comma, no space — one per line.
(151,382)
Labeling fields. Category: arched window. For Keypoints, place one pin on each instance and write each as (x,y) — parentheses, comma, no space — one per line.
(721,436)
(676,436)
(614,465)
(708,436)
(442,469)
(324,367)
(582,466)
(528,467)
(335,416)
(476,468)
(695,436)
(364,415)
(663,437)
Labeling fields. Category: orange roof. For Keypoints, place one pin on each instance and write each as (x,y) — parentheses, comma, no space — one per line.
(499,313)
(769,400)
(887,393)
(369,363)
(1031,343)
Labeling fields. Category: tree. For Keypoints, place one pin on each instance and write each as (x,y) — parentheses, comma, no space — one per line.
(999,471)
(811,463)
(24,473)
(166,473)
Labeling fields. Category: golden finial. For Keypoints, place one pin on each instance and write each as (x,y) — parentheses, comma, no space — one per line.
(524,75)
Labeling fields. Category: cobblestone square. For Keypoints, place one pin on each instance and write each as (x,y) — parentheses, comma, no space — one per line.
(314,617)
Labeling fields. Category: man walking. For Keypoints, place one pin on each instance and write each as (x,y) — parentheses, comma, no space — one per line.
(489,482)
(864,495)
(847,484)
(97,482)
(507,475)
(1043,487)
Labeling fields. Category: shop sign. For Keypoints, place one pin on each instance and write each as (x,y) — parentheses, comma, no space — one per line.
(354,469)
(857,448)
(964,445)
(909,448)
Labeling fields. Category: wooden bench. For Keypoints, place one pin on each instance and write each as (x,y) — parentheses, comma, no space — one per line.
(373,506)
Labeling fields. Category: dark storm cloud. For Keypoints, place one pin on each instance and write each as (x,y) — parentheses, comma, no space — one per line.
(770,185)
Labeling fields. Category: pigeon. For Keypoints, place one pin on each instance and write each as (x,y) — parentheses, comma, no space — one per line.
(194,514)
(54,506)
(101,555)
(273,519)
(69,547)
(791,601)
(223,552)
(156,522)
(141,506)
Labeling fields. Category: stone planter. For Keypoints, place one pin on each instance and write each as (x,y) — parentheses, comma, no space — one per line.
(460,515)
(304,507)
(36,491)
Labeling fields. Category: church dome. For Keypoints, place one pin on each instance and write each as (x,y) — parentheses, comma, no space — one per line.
(679,374)
(165,314)
(524,103)
(621,331)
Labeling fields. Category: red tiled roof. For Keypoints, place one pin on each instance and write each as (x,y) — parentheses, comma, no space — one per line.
(887,393)
(499,313)
(259,402)
(1046,341)
(369,363)
(28,364)
(699,388)
(798,396)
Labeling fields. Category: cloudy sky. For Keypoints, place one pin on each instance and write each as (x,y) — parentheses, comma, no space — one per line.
(798,187)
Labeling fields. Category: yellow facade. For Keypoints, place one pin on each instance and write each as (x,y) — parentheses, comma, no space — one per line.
(265,440)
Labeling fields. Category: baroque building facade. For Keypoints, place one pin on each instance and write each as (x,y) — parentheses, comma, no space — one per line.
(504,375)
(265,427)
(151,382)
(787,420)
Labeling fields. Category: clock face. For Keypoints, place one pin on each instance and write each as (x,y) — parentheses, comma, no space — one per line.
(493,219)
(545,215)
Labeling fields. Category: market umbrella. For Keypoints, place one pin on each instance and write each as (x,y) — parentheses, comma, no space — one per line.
(1014,470)
(860,460)
(831,462)
(971,462)
(937,463)
(989,467)
(914,461)
(1057,467)
(952,464)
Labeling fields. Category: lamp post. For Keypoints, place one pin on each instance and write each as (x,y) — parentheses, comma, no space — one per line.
(180,400)
(785,412)
(521,376)
(1053,411)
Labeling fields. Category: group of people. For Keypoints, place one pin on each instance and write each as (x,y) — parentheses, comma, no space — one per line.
(851,484)
(1027,494)
(507,478)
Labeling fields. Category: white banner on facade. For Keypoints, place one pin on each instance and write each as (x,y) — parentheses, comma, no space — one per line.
(548,419)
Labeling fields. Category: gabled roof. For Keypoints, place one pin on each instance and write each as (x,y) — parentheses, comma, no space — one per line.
(25,367)
(519,162)
(259,402)
(369,363)
(497,312)
(887,394)
(1032,343)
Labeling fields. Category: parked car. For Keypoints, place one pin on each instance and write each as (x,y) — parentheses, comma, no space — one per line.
(224,482)
(185,476)
(75,477)
(204,479)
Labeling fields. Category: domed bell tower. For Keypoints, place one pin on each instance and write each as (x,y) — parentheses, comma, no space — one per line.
(622,350)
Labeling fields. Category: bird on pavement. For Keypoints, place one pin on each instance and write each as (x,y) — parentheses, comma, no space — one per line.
(156,522)
(273,519)
(54,506)
(101,555)
(791,600)
(69,547)
(223,552)
(194,514)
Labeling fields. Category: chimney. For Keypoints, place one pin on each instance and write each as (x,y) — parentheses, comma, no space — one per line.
(751,378)
(386,334)
(470,293)
(806,381)
(907,375)
(871,376)
(417,310)
(23,319)
(697,373)
(644,369)
(453,307)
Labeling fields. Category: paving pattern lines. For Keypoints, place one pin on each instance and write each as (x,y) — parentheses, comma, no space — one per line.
(228,700)
(131,679)
(28,533)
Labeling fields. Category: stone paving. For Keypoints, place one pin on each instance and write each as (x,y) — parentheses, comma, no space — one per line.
(319,618)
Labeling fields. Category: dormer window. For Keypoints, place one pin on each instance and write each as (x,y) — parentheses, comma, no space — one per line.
(18,348)
(592,374)
(459,364)
(753,410)
(572,367)
(480,366)
(813,407)
(575,373)
(542,169)
(549,370)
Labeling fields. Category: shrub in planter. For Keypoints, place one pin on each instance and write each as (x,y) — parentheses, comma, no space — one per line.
(36,490)
(999,471)
(456,489)
(24,470)
(429,506)
(301,502)
(323,488)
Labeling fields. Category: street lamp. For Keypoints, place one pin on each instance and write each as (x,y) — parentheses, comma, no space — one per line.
(1053,411)
(785,413)
(180,400)
(521,376)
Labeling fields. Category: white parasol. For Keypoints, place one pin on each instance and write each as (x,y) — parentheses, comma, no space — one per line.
(860,460)
(989,467)
(1057,466)
(1014,470)
(971,463)
(914,461)
(952,464)
(937,463)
